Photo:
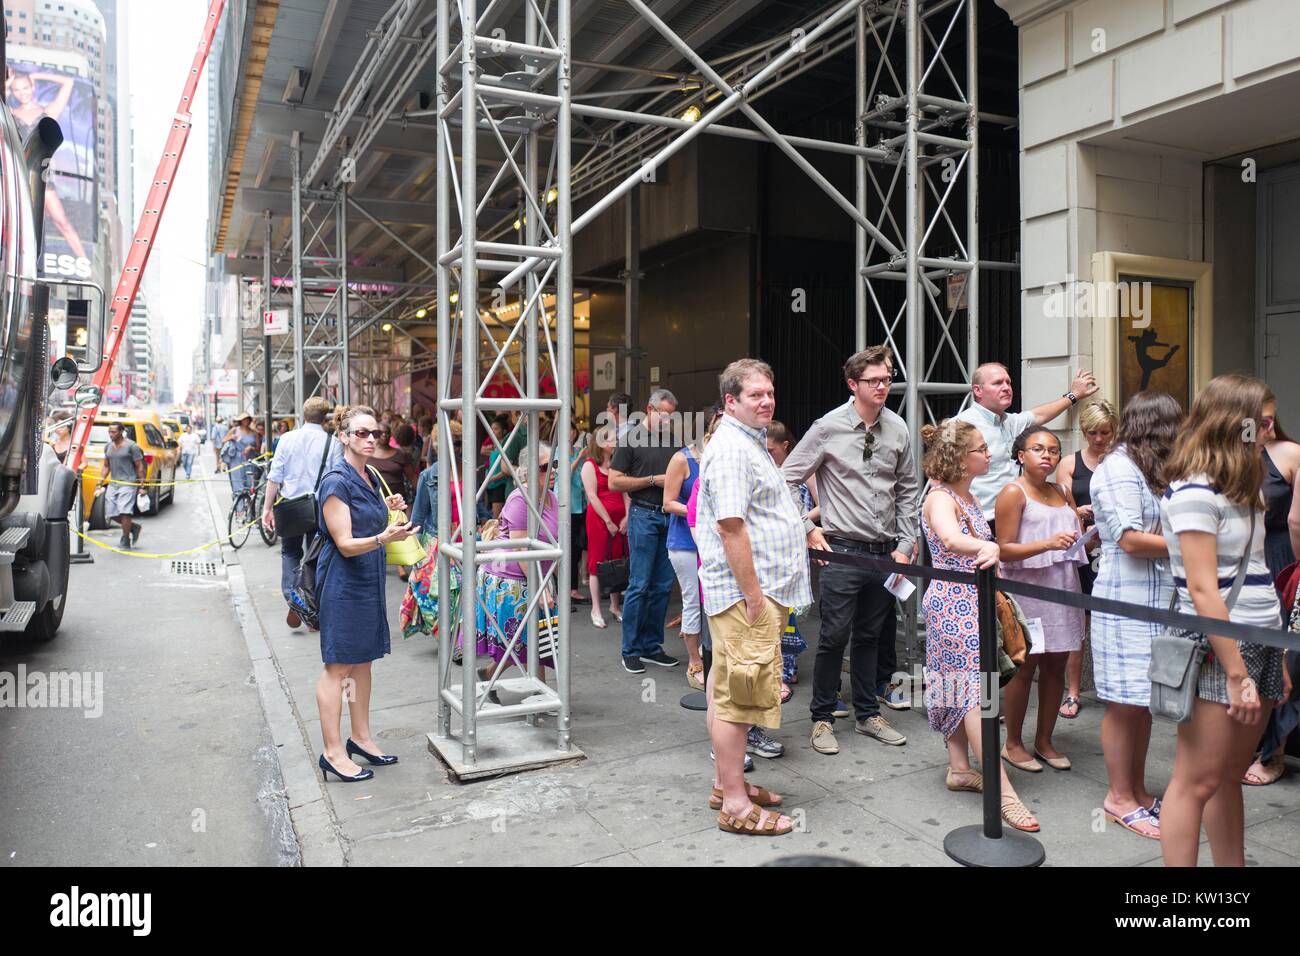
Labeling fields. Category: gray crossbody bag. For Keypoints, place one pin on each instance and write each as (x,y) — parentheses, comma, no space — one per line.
(1176,655)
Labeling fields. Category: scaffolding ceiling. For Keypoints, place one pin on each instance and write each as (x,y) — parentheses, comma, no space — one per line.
(316,48)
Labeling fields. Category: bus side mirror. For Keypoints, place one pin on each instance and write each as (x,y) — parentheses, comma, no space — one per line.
(64,373)
(83,322)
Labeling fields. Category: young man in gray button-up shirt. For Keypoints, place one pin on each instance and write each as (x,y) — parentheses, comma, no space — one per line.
(867,487)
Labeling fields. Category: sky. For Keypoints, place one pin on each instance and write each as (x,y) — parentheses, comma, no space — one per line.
(163,36)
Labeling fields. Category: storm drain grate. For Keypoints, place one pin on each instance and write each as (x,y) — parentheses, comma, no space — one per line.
(194,569)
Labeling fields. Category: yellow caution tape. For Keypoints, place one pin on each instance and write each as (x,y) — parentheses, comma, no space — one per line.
(170,554)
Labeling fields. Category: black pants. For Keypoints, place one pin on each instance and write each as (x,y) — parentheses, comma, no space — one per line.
(577,542)
(857,612)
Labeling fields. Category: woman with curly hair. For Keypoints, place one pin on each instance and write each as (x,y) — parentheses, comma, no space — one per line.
(959,540)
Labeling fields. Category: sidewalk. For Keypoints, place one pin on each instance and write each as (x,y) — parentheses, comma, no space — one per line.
(640,796)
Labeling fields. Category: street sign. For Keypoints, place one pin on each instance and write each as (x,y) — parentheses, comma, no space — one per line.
(275,322)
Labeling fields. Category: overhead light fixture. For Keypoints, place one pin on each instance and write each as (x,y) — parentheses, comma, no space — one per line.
(422,312)
(455,297)
(517,224)
(692,114)
(387,326)
(552,194)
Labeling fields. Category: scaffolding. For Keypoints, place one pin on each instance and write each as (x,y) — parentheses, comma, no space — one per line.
(503,118)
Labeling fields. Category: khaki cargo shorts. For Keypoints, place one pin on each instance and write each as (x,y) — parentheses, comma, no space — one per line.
(746,669)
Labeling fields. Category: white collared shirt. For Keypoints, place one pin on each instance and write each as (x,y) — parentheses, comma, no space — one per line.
(738,479)
(297,460)
(999,433)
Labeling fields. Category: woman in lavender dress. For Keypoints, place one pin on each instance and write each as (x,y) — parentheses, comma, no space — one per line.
(1037,523)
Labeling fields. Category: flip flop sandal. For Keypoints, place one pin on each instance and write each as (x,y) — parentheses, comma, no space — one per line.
(1140,815)
(1017,815)
(1069,702)
(786,694)
(761,797)
(755,824)
(973,786)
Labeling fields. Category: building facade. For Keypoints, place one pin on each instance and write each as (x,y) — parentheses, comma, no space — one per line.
(1160,144)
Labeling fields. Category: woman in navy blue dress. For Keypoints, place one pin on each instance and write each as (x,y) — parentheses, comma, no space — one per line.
(353,519)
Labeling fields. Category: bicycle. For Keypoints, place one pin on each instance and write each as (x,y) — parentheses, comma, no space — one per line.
(245,511)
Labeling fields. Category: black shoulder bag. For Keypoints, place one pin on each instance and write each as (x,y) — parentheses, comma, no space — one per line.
(296,516)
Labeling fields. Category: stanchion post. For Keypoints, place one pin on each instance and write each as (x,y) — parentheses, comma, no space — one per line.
(989,844)
(80,556)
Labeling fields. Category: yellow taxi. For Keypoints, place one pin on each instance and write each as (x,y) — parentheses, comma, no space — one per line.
(161,457)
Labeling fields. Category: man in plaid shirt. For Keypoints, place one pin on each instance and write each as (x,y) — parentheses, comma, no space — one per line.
(753,567)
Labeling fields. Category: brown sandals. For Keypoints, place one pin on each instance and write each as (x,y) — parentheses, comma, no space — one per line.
(757,823)
(761,796)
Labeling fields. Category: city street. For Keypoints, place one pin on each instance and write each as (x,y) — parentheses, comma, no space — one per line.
(207,745)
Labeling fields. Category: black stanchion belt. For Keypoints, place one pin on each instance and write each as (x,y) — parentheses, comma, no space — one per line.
(1252,633)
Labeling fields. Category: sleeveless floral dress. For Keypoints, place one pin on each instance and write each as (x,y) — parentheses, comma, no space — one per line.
(952,630)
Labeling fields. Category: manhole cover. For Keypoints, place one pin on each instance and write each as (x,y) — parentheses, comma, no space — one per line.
(194,569)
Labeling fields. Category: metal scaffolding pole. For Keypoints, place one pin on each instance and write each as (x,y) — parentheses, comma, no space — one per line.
(497,736)
(341,234)
(295,228)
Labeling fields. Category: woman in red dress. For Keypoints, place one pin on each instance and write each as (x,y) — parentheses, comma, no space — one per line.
(606,521)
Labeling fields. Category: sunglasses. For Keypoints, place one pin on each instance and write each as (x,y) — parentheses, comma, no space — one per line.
(364,433)
(868,446)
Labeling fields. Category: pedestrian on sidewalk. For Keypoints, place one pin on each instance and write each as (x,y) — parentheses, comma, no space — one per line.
(299,464)
(638,468)
(1099,422)
(753,567)
(216,436)
(992,396)
(1212,519)
(779,442)
(861,456)
(189,450)
(959,540)
(353,515)
(606,520)
(1133,567)
(683,472)
(237,450)
(123,470)
(1037,524)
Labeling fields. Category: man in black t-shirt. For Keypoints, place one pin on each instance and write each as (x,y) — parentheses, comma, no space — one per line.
(638,469)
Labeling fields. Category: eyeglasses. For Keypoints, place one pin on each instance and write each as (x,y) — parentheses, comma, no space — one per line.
(364,433)
(1043,452)
(868,446)
(877,382)
(981,450)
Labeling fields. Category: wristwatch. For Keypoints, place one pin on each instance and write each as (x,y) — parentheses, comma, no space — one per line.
(1074,399)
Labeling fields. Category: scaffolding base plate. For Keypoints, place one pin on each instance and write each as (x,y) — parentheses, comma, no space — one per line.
(502,749)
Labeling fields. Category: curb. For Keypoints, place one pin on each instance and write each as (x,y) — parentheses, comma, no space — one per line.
(310,811)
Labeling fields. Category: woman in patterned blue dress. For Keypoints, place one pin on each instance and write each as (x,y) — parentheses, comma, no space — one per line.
(959,540)
(1132,567)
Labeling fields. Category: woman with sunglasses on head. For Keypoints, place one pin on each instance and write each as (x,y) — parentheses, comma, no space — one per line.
(1037,522)
(1281,544)
(1211,519)
(1098,422)
(353,519)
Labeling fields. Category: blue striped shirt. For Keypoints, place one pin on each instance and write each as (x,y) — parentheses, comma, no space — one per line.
(738,479)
